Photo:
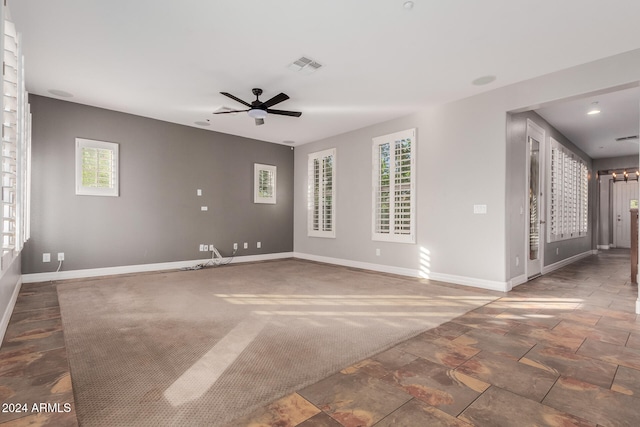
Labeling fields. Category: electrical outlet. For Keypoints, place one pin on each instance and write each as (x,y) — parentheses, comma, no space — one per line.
(211,247)
(60,256)
(201,247)
(204,208)
(246,245)
(46,257)
(378,252)
(258,245)
(199,192)
(235,246)
(206,248)
(517,261)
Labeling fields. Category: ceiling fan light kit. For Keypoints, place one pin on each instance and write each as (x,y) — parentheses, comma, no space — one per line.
(259,110)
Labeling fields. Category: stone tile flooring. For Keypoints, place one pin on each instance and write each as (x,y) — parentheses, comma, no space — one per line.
(33,363)
(561,350)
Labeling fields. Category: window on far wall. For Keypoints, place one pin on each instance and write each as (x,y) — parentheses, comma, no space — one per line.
(394,187)
(264,188)
(322,192)
(96,168)
(569,194)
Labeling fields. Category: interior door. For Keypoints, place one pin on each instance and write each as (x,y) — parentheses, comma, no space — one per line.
(535,223)
(623,193)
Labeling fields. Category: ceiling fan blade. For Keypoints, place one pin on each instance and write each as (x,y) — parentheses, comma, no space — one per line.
(259,122)
(275,100)
(235,98)
(230,111)
(285,113)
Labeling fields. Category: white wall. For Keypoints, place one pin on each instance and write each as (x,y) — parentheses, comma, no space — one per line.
(461,161)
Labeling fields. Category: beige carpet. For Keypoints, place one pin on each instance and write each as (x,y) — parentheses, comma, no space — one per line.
(201,348)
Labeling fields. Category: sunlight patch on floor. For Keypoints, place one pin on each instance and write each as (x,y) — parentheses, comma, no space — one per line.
(203,374)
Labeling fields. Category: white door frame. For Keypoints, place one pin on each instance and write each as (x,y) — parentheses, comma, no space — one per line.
(534,268)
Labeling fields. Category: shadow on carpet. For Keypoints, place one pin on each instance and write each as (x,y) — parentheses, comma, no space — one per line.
(205,347)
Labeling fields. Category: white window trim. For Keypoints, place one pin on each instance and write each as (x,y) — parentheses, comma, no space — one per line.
(257,198)
(92,191)
(574,224)
(377,142)
(318,156)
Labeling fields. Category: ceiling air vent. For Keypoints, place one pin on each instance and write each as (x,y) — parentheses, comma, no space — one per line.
(627,138)
(304,64)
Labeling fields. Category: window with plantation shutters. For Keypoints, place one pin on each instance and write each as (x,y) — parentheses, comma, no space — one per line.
(264,185)
(96,168)
(322,191)
(569,194)
(16,146)
(394,187)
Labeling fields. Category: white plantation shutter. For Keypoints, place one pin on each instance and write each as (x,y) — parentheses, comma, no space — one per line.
(9,138)
(15,147)
(321,168)
(569,194)
(394,187)
(96,168)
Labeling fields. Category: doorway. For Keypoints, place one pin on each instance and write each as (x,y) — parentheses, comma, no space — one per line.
(623,194)
(535,224)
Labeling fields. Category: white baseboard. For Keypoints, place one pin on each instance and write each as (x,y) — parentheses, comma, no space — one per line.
(6,316)
(594,252)
(518,280)
(604,247)
(127,269)
(552,267)
(458,280)
(492,285)
(359,264)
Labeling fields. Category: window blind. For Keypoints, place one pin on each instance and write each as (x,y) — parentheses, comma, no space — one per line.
(569,194)
(393,187)
(321,166)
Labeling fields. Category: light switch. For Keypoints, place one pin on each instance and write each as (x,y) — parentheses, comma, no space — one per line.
(479,209)
(199,192)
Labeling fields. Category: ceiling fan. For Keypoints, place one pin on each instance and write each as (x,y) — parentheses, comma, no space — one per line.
(258,109)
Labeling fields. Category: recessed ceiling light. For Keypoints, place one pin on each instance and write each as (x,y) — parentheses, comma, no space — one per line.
(484,80)
(594,109)
(61,93)
(202,123)
(408,5)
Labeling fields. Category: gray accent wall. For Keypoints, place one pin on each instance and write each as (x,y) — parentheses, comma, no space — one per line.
(157,217)
(464,158)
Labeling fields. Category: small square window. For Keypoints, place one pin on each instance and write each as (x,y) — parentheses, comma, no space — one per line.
(264,189)
(96,168)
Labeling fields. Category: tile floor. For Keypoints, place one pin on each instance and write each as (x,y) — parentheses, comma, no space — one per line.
(33,362)
(561,350)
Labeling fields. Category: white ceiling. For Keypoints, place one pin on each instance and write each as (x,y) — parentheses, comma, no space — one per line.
(169,59)
(596,134)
